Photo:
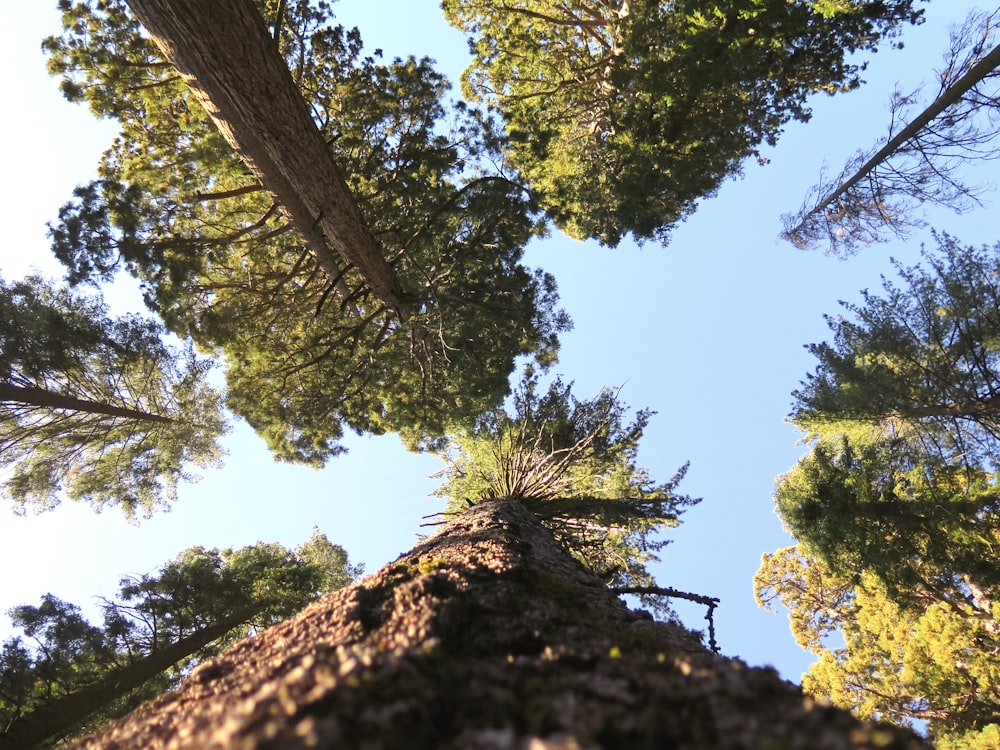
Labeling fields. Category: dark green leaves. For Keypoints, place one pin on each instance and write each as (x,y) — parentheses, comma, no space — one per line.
(915,524)
(903,407)
(622,116)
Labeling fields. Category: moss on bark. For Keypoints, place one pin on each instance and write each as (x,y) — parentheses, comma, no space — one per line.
(485,635)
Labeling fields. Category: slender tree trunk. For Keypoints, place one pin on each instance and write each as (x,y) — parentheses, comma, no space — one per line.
(225,54)
(59,716)
(52,400)
(485,635)
(950,96)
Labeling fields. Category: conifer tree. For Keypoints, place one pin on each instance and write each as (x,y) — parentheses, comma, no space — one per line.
(919,360)
(921,161)
(896,508)
(307,355)
(267,122)
(486,634)
(623,115)
(66,674)
(95,408)
(572,463)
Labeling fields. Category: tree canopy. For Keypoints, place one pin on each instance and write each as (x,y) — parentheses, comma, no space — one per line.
(64,670)
(618,118)
(623,115)
(911,521)
(896,508)
(573,464)
(933,661)
(307,356)
(920,359)
(95,408)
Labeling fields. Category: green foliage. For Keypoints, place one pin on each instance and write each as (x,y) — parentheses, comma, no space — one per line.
(307,358)
(922,358)
(903,411)
(86,364)
(985,739)
(74,652)
(898,553)
(912,522)
(225,594)
(933,660)
(621,116)
(573,464)
(896,509)
(331,560)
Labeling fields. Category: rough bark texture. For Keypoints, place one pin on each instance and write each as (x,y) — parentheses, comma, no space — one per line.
(59,716)
(486,635)
(225,54)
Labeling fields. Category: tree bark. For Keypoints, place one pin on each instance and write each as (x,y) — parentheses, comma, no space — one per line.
(223,51)
(55,718)
(49,399)
(485,635)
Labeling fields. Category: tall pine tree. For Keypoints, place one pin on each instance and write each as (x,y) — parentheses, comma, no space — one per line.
(95,408)
(309,356)
(896,508)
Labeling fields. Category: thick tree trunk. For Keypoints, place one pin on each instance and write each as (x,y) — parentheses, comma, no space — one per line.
(485,635)
(40,397)
(55,718)
(225,54)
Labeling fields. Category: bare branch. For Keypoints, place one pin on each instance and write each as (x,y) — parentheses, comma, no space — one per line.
(876,190)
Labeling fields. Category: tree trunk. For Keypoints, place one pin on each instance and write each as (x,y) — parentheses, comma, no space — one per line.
(62,714)
(952,95)
(50,399)
(485,635)
(225,54)
(978,408)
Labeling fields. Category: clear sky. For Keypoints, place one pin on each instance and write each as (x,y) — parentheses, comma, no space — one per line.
(707,331)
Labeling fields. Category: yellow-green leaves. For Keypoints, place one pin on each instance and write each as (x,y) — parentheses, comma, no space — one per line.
(117,416)
(572,463)
(308,356)
(932,660)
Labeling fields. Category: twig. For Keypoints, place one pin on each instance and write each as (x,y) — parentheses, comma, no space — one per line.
(709,601)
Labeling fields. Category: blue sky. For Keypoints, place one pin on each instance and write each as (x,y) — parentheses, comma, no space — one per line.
(708,332)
